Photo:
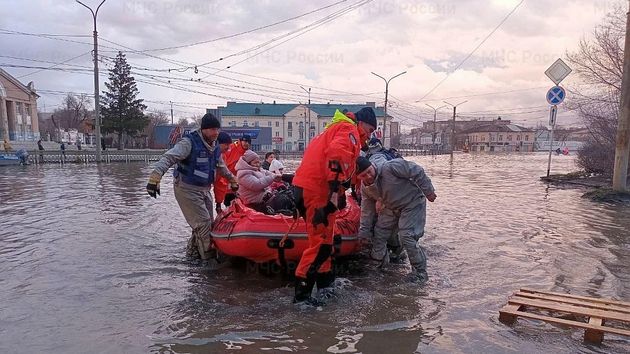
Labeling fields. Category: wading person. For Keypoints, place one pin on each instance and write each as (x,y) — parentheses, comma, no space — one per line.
(328,161)
(220,188)
(402,187)
(197,156)
(231,156)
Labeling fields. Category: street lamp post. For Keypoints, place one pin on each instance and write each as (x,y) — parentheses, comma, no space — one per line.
(97,108)
(386,94)
(309,114)
(453,124)
(434,121)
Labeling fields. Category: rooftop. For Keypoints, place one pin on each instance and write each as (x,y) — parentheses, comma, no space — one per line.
(280,109)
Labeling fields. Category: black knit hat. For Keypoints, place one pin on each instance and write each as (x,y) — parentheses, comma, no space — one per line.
(210,121)
(363,163)
(367,115)
(247,138)
(224,138)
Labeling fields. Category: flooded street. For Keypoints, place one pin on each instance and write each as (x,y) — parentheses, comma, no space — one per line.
(88,262)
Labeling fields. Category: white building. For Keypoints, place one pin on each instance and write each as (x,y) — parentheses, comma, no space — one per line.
(289,121)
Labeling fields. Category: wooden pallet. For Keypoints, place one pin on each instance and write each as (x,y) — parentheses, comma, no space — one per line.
(528,303)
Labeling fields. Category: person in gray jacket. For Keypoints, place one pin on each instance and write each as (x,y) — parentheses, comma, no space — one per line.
(402,187)
(197,156)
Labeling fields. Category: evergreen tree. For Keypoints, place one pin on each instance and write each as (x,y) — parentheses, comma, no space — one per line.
(122,112)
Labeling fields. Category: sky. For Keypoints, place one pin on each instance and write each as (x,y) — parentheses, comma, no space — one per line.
(200,54)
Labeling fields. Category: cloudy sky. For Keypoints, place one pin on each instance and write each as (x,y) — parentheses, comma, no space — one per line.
(255,51)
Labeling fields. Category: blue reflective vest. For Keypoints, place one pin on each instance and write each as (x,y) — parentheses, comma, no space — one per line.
(198,168)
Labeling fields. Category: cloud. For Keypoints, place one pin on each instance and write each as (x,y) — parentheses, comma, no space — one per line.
(428,38)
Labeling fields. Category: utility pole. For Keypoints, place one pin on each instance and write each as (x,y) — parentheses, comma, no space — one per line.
(434,122)
(309,114)
(386,94)
(171,112)
(453,124)
(622,149)
(97,107)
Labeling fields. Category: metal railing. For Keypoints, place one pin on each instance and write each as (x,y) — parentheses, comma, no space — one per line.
(89,156)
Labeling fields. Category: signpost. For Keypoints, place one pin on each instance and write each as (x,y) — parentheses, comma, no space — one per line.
(557,72)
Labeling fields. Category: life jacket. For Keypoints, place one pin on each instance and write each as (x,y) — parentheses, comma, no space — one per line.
(198,168)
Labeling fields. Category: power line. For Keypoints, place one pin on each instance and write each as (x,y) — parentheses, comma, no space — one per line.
(246,32)
(473,51)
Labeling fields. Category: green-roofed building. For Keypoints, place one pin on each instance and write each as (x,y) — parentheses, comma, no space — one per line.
(289,121)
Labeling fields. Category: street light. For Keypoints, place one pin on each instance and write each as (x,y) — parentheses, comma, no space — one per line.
(453,125)
(386,94)
(434,122)
(309,114)
(97,108)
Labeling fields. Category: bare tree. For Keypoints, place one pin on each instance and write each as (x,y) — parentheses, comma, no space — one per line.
(73,111)
(599,63)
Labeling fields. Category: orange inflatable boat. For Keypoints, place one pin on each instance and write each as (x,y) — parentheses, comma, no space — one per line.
(243,232)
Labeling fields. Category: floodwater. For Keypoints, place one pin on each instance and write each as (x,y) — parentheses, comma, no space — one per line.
(90,263)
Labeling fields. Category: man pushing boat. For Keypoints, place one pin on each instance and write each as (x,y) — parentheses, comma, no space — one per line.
(197,156)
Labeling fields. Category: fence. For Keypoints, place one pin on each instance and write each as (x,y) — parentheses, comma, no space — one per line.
(108,156)
(89,156)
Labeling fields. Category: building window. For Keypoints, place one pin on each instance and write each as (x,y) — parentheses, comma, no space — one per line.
(323,124)
(518,137)
(312,134)
(526,137)
(483,138)
(500,137)
(509,137)
(290,133)
(301,135)
(269,123)
(277,133)
(245,123)
(232,123)
(289,125)
(277,124)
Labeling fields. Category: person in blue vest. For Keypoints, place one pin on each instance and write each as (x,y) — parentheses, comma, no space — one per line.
(197,156)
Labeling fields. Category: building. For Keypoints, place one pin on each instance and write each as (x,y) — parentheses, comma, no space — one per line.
(292,125)
(499,136)
(572,138)
(18,109)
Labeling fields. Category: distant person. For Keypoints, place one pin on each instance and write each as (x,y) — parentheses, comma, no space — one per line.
(7,146)
(40,147)
(62,147)
(558,151)
(269,157)
(565,151)
(78,144)
(103,147)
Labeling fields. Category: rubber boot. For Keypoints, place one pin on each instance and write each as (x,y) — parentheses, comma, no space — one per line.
(303,291)
(325,288)
(397,256)
(418,275)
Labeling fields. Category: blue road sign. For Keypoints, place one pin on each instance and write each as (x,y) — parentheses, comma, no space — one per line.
(555,95)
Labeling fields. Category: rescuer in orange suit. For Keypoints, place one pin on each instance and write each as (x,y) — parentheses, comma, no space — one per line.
(328,162)
(230,157)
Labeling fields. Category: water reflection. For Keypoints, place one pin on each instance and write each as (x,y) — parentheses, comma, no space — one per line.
(87,260)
